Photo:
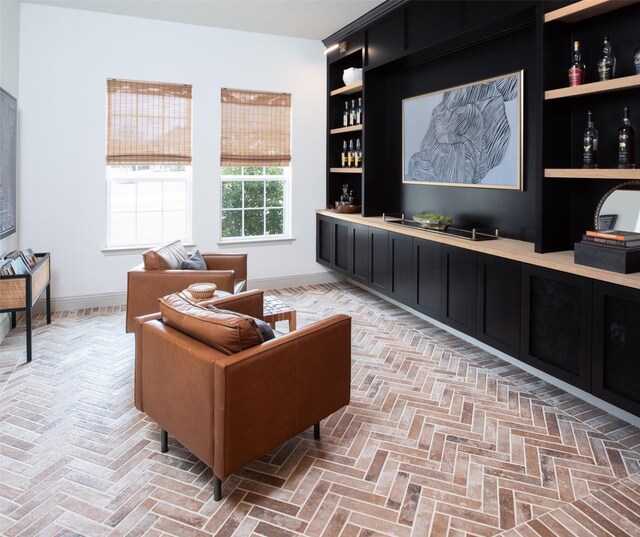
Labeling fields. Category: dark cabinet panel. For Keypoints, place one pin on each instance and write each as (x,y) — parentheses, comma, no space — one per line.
(427,258)
(385,41)
(379,251)
(431,22)
(476,13)
(401,258)
(324,240)
(616,345)
(556,324)
(341,230)
(360,260)
(459,288)
(499,303)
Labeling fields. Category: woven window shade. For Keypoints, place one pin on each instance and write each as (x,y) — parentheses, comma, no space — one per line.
(148,123)
(256,128)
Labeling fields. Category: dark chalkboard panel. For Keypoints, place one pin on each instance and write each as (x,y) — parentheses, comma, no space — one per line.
(8,184)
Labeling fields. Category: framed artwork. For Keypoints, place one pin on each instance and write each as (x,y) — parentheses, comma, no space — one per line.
(468,136)
(8,133)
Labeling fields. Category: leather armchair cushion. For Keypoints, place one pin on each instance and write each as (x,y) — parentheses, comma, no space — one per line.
(165,257)
(195,262)
(227,333)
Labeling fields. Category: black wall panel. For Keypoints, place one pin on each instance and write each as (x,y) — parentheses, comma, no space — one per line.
(385,40)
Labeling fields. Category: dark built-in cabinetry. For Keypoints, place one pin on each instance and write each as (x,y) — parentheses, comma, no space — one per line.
(580,330)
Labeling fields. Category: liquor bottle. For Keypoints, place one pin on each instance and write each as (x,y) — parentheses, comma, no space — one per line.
(590,144)
(352,115)
(345,114)
(626,143)
(576,71)
(359,112)
(344,153)
(636,61)
(350,155)
(359,152)
(607,64)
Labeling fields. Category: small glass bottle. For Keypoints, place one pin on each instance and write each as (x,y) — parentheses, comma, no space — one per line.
(359,111)
(590,144)
(626,143)
(345,114)
(576,71)
(607,64)
(352,114)
(344,153)
(359,151)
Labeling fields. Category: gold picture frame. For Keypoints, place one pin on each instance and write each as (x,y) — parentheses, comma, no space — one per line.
(472,136)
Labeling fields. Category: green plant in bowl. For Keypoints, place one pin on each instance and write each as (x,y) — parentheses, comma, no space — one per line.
(433,221)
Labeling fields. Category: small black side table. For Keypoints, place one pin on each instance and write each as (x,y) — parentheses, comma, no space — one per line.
(19,292)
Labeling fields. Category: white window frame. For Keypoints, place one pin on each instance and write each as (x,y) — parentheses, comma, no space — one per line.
(286,204)
(123,174)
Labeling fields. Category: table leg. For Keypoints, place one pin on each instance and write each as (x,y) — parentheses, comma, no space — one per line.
(48,297)
(28,331)
(14,319)
(293,322)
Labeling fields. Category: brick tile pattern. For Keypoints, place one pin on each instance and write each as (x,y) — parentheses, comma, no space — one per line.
(440,439)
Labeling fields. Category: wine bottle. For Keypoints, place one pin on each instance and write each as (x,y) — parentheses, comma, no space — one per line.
(359,112)
(359,152)
(636,61)
(344,153)
(590,144)
(350,154)
(607,64)
(576,71)
(352,115)
(345,114)
(626,143)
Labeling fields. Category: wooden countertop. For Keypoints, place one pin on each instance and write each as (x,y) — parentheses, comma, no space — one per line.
(508,248)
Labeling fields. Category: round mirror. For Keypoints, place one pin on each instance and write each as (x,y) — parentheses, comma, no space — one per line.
(619,208)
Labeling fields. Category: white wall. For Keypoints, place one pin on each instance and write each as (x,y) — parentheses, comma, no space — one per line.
(66,56)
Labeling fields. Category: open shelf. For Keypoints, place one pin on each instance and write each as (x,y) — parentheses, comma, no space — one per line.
(348,90)
(595,173)
(585,9)
(616,84)
(352,128)
(345,170)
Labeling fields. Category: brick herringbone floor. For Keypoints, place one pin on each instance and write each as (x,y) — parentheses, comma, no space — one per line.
(440,439)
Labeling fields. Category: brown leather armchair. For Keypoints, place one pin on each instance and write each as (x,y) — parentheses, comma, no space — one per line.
(232,409)
(145,287)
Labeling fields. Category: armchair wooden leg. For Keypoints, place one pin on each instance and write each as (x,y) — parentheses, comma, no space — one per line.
(316,431)
(217,488)
(164,441)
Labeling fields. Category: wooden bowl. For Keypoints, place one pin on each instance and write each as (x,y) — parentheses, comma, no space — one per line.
(348,209)
(201,291)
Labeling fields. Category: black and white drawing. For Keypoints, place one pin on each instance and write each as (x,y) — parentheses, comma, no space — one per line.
(8,132)
(465,136)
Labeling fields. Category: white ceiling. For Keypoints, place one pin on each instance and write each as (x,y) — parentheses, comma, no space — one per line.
(310,19)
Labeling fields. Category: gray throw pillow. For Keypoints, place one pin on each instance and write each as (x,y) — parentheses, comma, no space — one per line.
(265,330)
(195,262)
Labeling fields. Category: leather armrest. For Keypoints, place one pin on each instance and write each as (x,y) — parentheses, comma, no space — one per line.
(248,303)
(235,262)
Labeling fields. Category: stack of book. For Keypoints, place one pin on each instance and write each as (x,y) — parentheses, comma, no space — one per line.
(18,262)
(614,250)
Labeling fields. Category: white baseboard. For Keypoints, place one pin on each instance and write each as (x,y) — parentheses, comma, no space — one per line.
(5,325)
(72,303)
(587,397)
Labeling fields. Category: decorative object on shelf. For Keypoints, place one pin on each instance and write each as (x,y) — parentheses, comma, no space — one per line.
(433,221)
(626,143)
(351,75)
(472,137)
(473,234)
(607,222)
(8,163)
(345,115)
(344,196)
(622,260)
(590,144)
(636,61)
(202,291)
(345,207)
(344,156)
(607,64)
(577,69)
(623,201)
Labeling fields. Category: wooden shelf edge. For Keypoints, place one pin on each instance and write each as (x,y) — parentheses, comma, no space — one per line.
(616,84)
(347,90)
(345,170)
(585,9)
(599,173)
(340,130)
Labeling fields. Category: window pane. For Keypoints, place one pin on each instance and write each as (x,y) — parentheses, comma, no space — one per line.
(149,196)
(231,170)
(232,223)
(149,227)
(271,170)
(275,222)
(253,222)
(173,224)
(175,197)
(253,170)
(275,194)
(123,229)
(254,194)
(123,197)
(232,194)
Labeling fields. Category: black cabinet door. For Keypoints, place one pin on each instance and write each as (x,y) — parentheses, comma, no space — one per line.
(616,345)
(556,324)
(459,288)
(379,277)
(341,231)
(360,259)
(427,259)
(499,294)
(324,240)
(401,258)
